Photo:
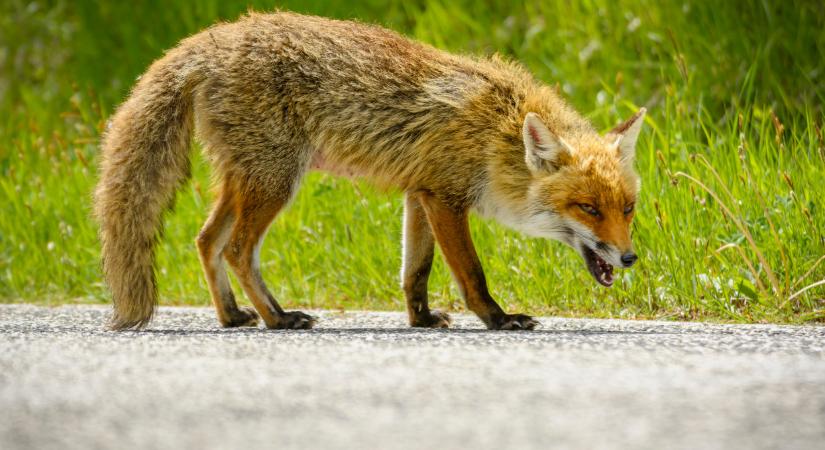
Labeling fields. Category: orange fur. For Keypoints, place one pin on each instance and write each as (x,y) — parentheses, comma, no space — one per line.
(272,96)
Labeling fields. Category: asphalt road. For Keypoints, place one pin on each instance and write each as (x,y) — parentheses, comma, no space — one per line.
(365,380)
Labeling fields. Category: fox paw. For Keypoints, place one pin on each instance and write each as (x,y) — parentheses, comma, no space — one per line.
(512,322)
(294,320)
(433,319)
(242,317)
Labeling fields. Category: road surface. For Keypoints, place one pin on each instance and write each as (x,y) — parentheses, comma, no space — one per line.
(366,381)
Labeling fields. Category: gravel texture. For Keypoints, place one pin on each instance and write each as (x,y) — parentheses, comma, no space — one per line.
(364,380)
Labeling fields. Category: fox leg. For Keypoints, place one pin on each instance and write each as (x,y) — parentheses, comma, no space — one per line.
(451,229)
(211,242)
(255,208)
(417,262)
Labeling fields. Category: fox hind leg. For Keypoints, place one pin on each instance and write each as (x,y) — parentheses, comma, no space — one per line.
(257,203)
(211,242)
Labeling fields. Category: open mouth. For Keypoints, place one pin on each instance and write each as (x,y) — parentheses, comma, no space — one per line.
(601,270)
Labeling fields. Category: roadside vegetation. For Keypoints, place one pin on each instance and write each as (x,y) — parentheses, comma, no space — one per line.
(730,225)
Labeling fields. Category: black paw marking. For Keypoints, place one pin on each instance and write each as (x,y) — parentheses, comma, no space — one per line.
(295,320)
(513,322)
(242,317)
(435,319)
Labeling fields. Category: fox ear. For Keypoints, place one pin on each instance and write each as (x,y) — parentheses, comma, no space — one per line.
(624,136)
(543,149)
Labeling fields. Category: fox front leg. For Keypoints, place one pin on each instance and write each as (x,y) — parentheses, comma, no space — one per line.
(415,272)
(451,229)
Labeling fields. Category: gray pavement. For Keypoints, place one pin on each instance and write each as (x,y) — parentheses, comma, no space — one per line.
(365,380)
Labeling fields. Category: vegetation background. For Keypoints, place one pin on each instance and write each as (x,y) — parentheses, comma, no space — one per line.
(729,225)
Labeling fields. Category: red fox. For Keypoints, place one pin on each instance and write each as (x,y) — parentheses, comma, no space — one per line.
(273,96)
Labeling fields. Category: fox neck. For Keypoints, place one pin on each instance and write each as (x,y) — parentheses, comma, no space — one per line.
(506,196)
(508,201)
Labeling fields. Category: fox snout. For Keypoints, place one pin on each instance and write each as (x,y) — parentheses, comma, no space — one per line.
(629,258)
(619,255)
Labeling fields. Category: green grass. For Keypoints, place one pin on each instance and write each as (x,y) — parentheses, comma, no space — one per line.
(729,225)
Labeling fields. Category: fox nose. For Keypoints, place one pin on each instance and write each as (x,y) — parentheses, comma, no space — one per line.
(629,258)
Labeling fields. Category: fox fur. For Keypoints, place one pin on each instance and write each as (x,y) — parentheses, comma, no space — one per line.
(272,96)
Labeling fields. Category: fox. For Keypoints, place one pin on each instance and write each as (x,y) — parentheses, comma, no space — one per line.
(273,96)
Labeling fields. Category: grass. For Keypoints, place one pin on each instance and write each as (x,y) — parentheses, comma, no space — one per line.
(729,225)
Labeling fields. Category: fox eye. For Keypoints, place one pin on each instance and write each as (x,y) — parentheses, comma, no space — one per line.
(629,208)
(589,209)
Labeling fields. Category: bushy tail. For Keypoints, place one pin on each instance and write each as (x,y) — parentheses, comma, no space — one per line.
(145,159)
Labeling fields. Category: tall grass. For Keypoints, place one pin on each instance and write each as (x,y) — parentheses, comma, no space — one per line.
(729,226)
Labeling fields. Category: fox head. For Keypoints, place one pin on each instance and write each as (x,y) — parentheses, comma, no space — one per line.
(582,191)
